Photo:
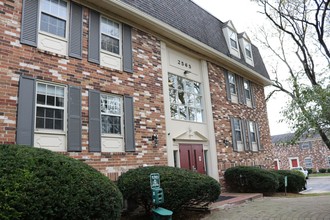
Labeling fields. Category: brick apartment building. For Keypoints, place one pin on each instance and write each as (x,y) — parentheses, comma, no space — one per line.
(122,84)
(309,152)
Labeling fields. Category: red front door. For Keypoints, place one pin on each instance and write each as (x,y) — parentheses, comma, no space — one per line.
(275,164)
(192,157)
(294,162)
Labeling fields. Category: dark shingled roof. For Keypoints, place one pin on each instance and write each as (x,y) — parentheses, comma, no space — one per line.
(284,138)
(194,21)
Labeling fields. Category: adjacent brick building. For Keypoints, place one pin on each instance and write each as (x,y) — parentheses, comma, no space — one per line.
(122,84)
(309,152)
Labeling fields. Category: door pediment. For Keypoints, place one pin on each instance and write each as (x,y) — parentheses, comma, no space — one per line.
(194,136)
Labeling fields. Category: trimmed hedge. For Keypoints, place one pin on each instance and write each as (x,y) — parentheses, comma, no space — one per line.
(181,187)
(322,170)
(40,184)
(310,170)
(296,180)
(251,180)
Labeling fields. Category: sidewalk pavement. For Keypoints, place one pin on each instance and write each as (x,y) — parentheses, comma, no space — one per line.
(234,199)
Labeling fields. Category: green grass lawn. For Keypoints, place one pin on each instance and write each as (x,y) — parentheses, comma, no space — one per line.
(319,174)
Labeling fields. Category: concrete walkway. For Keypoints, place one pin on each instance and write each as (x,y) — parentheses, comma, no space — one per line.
(317,207)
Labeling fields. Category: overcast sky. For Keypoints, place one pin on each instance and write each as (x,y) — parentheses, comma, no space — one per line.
(245,17)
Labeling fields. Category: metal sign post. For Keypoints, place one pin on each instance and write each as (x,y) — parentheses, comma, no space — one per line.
(285,183)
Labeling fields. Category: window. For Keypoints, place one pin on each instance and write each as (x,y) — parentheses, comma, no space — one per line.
(110,36)
(247,89)
(233,40)
(248,52)
(46,24)
(111,114)
(238,130)
(305,145)
(53,17)
(308,162)
(232,83)
(252,132)
(185,99)
(50,107)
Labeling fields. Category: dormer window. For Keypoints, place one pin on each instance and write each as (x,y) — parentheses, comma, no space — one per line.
(248,51)
(245,43)
(233,40)
(231,37)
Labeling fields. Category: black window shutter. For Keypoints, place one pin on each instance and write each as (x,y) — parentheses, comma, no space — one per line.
(260,146)
(227,85)
(253,98)
(94,37)
(29,30)
(240,90)
(26,112)
(76,27)
(129,124)
(94,128)
(233,134)
(74,119)
(249,146)
(127,49)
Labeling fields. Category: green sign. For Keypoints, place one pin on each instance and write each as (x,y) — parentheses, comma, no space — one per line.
(154,180)
(285,181)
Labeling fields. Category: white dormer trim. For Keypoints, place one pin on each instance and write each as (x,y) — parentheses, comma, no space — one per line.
(230,33)
(245,44)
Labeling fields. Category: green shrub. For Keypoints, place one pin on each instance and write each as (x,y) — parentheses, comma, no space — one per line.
(322,170)
(310,170)
(251,180)
(328,170)
(181,187)
(40,184)
(296,180)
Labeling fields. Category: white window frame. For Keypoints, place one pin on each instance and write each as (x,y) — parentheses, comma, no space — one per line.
(248,47)
(305,145)
(306,163)
(294,158)
(195,106)
(121,115)
(232,83)
(64,108)
(246,82)
(233,37)
(239,143)
(67,20)
(120,38)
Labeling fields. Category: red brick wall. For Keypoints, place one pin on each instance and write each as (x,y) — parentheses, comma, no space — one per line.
(319,154)
(145,85)
(223,110)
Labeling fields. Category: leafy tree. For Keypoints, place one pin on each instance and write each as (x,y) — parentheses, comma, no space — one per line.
(302,30)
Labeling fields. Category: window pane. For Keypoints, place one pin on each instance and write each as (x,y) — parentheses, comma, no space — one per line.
(50,113)
(40,123)
(192,114)
(59,114)
(49,123)
(51,100)
(52,25)
(41,99)
(233,43)
(57,8)
(40,112)
(109,44)
(238,135)
(41,89)
(109,27)
(174,111)
(185,98)
(111,124)
(183,113)
(59,124)
(231,78)
(232,88)
(59,102)
(199,115)
(51,90)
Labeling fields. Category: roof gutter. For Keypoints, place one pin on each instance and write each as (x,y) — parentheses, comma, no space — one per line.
(133,14)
